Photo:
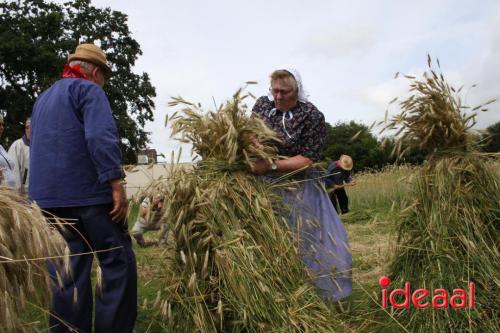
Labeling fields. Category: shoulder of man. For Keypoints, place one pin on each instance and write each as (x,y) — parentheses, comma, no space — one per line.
(86,87)
(16,145)
(77,88)
(332,166)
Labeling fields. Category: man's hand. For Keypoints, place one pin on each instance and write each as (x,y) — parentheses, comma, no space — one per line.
(120,203)
(261,167)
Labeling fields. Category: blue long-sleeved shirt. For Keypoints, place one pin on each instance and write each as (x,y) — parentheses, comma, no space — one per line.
(74,146)
(337,175)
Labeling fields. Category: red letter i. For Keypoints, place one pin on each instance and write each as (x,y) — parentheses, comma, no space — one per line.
(384,282)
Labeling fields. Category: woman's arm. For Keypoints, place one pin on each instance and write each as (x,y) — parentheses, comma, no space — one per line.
(262,167)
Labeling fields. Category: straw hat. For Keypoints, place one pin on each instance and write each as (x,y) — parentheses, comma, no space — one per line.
(92,54)
(345,162)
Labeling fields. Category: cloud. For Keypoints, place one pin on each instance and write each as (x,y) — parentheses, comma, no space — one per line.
(483,70)
(353,41)
(347,52)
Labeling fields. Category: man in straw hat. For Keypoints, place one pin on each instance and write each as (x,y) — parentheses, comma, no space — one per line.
(339,176)
(76,174)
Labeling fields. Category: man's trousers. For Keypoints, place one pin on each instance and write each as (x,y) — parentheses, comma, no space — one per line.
(340,195)
(91,230)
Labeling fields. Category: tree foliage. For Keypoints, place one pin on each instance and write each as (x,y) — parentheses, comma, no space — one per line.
(35,40)
(355,140)
(492,138)
(367,151)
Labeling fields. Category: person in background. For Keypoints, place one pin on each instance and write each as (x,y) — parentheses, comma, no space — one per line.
(76,175)
(149,218)
(300,125)
(20,151)
(339,176)
(7,164)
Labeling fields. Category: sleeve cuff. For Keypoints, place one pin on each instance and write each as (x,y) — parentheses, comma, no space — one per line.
(110,175)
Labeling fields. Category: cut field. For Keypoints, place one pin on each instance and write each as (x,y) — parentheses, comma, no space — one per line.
(375,204)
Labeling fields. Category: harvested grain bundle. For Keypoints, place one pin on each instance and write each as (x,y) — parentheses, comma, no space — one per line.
(448,235)
(236,266)
(26,239)
(433,118)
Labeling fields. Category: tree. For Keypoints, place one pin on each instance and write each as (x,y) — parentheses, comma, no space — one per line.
(492,138)
(367,151)
(35,40)
(355,140)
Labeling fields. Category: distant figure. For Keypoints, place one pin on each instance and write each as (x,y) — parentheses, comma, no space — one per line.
(339,176)
(7,164)
(20,152)
(149,218)
(76,174)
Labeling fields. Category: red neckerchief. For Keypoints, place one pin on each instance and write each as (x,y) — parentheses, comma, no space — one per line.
(73,72)
(337,163)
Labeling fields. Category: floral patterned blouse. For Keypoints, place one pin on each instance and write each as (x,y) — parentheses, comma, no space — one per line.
(302,129)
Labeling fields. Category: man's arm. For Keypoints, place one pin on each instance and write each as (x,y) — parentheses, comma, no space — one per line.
(261,167)
(103,141)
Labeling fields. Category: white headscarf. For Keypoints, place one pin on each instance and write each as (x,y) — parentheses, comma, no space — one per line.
(301,96)
(301,92)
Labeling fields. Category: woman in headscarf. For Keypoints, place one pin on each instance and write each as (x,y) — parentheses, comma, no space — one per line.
(6,164)
(301,127)
(150,218)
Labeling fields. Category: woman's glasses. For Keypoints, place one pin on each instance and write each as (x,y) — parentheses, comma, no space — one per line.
(283,92)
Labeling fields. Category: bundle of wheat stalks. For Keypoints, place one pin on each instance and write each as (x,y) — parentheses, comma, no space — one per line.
(448,235)
(236,265)
(26,240)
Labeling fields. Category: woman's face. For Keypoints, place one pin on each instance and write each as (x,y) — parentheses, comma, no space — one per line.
(285,97)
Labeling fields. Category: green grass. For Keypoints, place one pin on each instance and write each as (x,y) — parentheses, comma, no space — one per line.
(371,225)
(375,190)
(368,226)
(370,239)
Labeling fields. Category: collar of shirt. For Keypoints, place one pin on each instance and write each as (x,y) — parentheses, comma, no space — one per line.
(295,110)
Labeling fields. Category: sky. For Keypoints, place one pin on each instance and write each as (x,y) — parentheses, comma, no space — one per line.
(347,52)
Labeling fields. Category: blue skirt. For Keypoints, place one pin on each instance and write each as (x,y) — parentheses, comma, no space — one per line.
(323,242)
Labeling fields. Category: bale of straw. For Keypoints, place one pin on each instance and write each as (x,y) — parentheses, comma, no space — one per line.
(448,234)
(236,266)
(26,240)
(433,118)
